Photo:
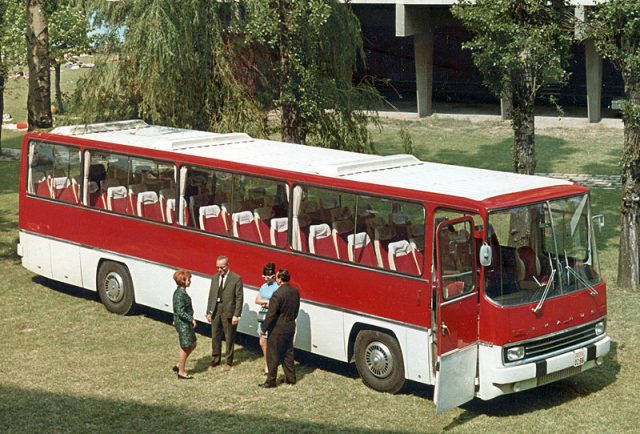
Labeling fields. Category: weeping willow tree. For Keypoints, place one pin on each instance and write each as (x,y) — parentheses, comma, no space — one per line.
(169,63)
(223,66)
(311,50)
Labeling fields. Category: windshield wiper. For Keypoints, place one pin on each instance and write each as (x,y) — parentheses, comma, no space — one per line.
(546,291)
(579,278)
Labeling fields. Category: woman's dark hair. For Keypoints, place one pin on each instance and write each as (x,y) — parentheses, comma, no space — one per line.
(283,275)
(269,269)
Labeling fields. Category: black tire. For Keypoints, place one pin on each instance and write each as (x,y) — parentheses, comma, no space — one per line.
(379,361)
(115,288)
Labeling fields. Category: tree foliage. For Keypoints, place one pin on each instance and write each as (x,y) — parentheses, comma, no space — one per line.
(68,35)
(519,46)
(615,27)
(313,47)
(171,68)
(225,66)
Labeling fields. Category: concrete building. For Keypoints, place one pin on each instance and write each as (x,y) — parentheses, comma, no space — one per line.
(417,43)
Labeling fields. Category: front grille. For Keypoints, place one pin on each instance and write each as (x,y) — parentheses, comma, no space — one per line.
(555,376)
(538,348)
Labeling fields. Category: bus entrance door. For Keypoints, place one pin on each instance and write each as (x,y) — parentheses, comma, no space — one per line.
(457,314)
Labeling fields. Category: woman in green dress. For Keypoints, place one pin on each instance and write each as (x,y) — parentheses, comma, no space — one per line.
(184,322)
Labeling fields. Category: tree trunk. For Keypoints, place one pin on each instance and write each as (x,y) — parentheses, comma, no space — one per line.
(1,105)
(629,255)
(39,97)
(523,124)
(56,80)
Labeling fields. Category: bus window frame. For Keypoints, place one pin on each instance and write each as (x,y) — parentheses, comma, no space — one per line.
(424,207)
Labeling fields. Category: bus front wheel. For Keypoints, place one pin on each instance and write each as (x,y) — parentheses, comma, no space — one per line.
(115,288)
(379,361)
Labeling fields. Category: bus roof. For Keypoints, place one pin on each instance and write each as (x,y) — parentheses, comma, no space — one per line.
(402,171)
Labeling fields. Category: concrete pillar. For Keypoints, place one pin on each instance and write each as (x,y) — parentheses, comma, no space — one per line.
(593,63)
(423,54)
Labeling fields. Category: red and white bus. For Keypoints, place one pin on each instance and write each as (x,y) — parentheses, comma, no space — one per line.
(479,282)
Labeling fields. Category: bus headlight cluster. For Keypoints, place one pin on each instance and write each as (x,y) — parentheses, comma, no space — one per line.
(599,328)
(515,353)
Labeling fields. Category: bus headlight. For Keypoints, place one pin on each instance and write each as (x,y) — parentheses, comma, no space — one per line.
(515,353)
(599,328)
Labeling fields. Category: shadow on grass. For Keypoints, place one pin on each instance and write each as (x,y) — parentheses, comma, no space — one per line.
(550,395)
(65,413)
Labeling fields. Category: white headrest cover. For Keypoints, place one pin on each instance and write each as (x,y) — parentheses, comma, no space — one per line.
(210,211)
(280,224)
(400,248)
(60,182)
(361,239)
(242,217)
(319,231)
(147,197)
(93,187)
(171,204)
(117,192)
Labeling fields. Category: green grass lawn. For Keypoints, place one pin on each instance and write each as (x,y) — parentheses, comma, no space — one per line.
(67,365)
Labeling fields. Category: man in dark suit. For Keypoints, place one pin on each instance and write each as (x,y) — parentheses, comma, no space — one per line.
(280,323)
(223,311)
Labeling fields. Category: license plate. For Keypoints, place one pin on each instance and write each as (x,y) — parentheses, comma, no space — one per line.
(579,357)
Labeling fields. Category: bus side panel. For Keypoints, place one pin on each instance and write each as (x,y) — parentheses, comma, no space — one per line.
(319,330)
(36,254)
(65,262)
(419,355)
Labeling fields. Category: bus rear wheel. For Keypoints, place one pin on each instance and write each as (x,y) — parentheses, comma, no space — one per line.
(379,361)
(115,288)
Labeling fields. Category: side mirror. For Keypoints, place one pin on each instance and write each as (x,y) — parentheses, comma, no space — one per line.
(598,221)
(485,254)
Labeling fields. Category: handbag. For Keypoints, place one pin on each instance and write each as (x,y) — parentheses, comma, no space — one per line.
(262,314)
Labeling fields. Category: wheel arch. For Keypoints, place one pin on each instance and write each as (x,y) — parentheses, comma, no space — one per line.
(360,326)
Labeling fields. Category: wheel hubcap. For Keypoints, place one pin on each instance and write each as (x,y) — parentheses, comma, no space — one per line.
(379,359)
(114,287)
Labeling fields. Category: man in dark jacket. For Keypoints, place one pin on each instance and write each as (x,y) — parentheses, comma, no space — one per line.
(280,323)
(223,311)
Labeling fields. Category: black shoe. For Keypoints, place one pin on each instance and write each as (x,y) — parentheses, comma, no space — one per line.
(185,377)
(174,369)
(266,385)
(290,383)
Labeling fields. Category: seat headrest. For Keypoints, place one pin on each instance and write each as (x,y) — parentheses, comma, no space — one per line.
(117,192)
(147,197)
(93,187)
(359,240)
(320,231)
(171,204)
(60,182)
(280,224)
(400,248)
(210,211)
(242,217)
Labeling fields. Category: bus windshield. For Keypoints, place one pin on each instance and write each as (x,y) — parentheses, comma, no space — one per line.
(541,251)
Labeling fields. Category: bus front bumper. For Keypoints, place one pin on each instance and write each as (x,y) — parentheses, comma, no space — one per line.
(497,379)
